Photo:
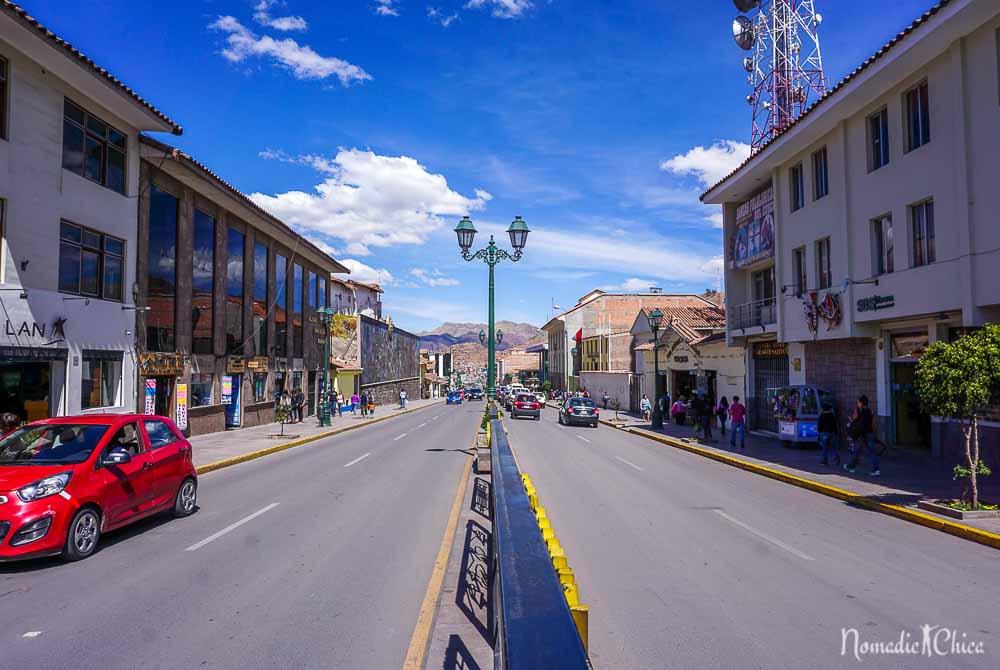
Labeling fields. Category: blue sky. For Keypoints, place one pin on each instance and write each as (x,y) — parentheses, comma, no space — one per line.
(373,125)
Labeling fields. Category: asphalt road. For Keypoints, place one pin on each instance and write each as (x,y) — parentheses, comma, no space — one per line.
(689,563)
(328,569)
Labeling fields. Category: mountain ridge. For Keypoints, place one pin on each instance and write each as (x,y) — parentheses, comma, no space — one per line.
(449,334)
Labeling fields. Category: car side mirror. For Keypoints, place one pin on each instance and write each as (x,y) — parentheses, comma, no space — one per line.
(117,456)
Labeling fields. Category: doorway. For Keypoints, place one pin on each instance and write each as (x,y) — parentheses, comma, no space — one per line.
(232,400)
(911,426)
(311,394)
(684,383)
(24,390)
(161,391)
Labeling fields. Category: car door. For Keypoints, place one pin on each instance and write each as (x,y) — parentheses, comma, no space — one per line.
(168,454)
(127,486)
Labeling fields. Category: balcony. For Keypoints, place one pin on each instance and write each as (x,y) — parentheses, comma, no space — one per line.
(759,313)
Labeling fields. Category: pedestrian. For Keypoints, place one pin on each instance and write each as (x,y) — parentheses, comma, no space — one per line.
(827,434)
(722,411)
(363,402)
(331,403)
(707,417)
(645,407)
(679,411)
(697,410)
(355,400)
(8,423)
(862,433)
(586,393)
(737,422)
(605,398)
(402,398)
(301,404)
(371,403)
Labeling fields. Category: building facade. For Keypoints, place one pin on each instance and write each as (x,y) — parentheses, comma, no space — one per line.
(390,360)
(69,177)
(867,230)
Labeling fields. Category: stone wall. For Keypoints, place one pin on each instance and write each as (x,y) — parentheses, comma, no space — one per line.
(845,368)
(388,393)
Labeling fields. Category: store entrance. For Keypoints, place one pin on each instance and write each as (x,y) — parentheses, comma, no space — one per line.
(24,390)
(684,383)
(912,426)
(159,396)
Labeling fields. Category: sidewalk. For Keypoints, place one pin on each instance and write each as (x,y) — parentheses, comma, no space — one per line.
(907,475)
(214,447)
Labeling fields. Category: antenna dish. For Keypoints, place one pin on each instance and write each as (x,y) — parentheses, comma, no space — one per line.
(743,33)
(748,64)
(746,5)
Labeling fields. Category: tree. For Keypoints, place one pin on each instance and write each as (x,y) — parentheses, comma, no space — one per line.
(958,380)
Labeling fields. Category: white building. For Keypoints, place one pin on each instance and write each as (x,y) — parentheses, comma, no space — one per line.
(868,229)
(69,180)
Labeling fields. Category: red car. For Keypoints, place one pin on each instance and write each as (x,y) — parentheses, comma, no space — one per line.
(65,481)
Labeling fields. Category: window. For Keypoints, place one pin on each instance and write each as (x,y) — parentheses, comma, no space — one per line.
(322,292)
(922,220)
(918,117)
(202,283)
(90,263)
(821,178)
(313,289)
(100,379)
(878,140)
(260,305)
(161,271)
(823,276)
(93,149)
(126,438)
(234,291)
(297,310)
(4,77)
(201,389)
(796,189)
(160,434)
(259,386)
(799,267)
(882,244)
(281,314)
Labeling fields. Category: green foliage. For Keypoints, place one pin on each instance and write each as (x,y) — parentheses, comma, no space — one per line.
(962,472)
(954,379)
(282,413)
(547,386)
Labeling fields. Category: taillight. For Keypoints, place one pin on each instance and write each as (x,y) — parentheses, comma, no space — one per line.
(535,405)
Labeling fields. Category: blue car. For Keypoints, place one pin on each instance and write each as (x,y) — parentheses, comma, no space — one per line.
(454,398)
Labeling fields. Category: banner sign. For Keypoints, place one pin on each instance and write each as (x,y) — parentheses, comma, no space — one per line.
(227,390)
(150,397)
(876,302)
(181,415)
(754,237)
(770,350)
(257,364)
(235,365)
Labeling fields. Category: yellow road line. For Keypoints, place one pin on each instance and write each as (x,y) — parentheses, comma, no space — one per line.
(417,650)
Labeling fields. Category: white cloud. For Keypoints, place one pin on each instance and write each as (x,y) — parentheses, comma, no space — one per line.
(503,9)
(386,8)
(369,200)
(435,14)
(716,219)
(433,278)
(366,273)
(301,60)
(632,285)
(262,15)
(709,164)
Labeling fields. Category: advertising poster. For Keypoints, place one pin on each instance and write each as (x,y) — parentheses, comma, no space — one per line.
(227,389)
(150,396)
(182,406)
(754,237)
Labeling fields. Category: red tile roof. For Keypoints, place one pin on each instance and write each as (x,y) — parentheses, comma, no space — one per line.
(888,46)
(22,16)
(690,322)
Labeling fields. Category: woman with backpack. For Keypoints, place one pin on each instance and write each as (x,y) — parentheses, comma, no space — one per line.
(722,411)
(861,430)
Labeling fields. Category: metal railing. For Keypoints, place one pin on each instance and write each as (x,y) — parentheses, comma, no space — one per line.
(757,313)
(532,624)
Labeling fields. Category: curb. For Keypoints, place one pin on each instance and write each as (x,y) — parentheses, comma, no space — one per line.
(983,537)
(260,453)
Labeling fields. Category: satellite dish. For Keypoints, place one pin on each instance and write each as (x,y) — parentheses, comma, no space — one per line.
(746,5)
(743,33)
(748,64)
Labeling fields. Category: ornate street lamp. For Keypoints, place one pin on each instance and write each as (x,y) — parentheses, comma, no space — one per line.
(492,255)
(654,318)
(499,336)
(482,337)
(325,316)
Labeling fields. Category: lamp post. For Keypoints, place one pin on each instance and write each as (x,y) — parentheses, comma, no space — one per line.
(654,325)
(325,315)
(492,255)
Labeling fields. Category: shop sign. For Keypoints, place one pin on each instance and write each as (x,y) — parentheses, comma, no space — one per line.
(32,353)
(235,365)
(162,364)
(770,350)
(227,390)
(876,302)
(754,237)
(150,407)
(24,329)
(319,331)
(909,345)
(257,364)
(181,414)
(680,359)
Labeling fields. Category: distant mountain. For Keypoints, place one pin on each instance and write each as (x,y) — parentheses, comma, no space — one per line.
(447,335)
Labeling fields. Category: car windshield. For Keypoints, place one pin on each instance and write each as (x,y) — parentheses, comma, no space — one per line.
(51,443)
(524,397)
(581,402)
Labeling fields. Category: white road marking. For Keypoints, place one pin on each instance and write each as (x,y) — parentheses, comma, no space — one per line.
(400,437)
(358,460)
(231,527)
(422,425)
(33,633)
(584,439)
(629,463)
(773,540)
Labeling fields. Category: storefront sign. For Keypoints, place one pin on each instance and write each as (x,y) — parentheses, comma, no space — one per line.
(319,331)
(150,407)
(770,350)
(24,329)
(909,345)
(235,365)
(17,354)
(754,237)
(181,414)
(680,359)
(257,364)
(162,364)
(227,390)
(876,302)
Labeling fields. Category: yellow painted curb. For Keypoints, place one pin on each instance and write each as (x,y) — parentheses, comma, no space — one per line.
(984,537)
(260,453)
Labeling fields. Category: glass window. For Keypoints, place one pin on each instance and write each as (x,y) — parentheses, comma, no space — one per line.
(313,289)
(4,73)
(297,311)
(201,389)
(260,306)
(234,291)
(821,179)
(161,271)
(202,283)
(322,292)
(260,387)
(281,301)
(90,263)
(99,382)
(126,438)
(160,434)
(918,121)
(92,148)
(878,139)
(883,244)
(51,443)
(801,278)
(796,188)
(823,275)
(922,219)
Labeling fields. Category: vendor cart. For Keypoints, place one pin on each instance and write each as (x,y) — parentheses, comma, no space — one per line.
(797,410)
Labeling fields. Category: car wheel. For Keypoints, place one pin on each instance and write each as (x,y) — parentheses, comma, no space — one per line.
(83,535)
(187,499)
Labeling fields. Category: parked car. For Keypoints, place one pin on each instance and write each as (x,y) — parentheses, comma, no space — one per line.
(526,404)
(475,394)
(579,410)
(454,398)
(66,481)
(542,398)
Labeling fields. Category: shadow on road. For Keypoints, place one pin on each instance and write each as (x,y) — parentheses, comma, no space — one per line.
(457,656)
(467,452)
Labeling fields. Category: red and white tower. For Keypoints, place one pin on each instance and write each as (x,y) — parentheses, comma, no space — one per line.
(785,69)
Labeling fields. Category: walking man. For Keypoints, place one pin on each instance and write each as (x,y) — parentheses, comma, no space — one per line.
(862,431)
(706,419)
(645,407)
(737,422)
(605,398)
(827,433)
(402,398)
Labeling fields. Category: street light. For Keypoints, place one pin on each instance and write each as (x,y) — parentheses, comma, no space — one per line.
(654,325)
(492,255)
(325,316)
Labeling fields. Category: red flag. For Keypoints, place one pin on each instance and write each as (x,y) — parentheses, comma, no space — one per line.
(579,336)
